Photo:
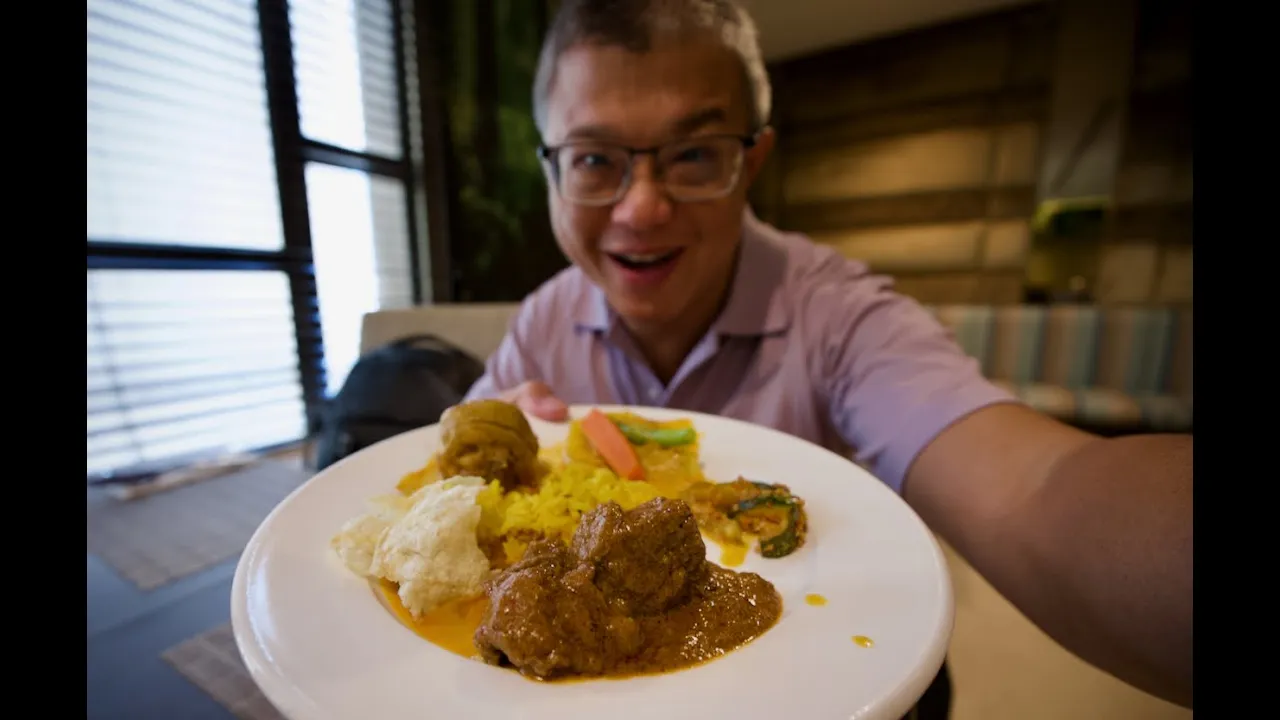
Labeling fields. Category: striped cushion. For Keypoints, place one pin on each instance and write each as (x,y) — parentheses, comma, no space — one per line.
(1134,349)
(1179,382)
(1070,346)
(1084,364)
(1103,407)
(1058,402)
(1167,413)
(971,325)
(1017,345)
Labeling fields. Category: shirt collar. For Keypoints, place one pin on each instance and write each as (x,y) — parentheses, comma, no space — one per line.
(756,305)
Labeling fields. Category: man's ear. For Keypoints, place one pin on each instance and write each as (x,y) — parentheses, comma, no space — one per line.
(755,157)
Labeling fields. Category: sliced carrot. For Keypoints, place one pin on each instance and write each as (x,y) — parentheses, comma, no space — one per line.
(612,445)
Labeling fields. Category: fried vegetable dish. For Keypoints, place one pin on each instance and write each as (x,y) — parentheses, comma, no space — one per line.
(731,513)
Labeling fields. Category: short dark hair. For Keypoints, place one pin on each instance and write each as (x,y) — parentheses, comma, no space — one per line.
(637,24)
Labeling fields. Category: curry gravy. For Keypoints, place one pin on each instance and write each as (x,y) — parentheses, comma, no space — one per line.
(731,555)
(732,610)
(737,609)
(451,626)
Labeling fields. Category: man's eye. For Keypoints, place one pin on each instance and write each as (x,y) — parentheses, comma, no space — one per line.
(697,154)
(591,161)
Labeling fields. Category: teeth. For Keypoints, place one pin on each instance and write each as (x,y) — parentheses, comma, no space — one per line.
(644,258)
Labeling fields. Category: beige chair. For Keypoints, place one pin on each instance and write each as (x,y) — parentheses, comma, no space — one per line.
(477,328)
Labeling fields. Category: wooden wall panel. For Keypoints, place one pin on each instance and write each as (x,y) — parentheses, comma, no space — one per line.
(1017,154)
(962,288)
(967,246)
(1127,273)
(1013,106)
(962,59)
(1175,283)
(1167,222)
(919,154)
(1155,182)
(1006,246)
(912,248)
(957,288)
(941,160)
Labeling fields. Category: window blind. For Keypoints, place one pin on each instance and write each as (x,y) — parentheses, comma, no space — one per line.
(186,361)
(347,82)
(179,143)
(180,154)
(344,58)
(360,242)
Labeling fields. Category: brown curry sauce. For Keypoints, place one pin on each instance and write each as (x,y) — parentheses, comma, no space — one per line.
(720,610)
(691,636)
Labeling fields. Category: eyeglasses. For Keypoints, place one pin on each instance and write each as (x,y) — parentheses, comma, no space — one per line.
(594,173)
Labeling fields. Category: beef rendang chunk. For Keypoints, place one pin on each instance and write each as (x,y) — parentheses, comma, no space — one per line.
(633,593)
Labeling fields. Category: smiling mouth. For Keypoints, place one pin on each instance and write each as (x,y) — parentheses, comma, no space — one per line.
(645,262)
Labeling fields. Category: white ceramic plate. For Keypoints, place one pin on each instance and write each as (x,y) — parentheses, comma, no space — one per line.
(319,644)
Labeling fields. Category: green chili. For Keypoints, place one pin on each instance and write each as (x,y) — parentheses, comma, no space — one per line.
(666,437)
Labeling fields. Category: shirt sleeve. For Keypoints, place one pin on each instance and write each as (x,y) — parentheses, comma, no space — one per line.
(896,378)
(512,363)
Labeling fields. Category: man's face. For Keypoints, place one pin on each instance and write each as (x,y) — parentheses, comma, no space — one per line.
(671,93)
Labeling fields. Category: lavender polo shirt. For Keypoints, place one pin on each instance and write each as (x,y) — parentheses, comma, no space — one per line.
(810,343)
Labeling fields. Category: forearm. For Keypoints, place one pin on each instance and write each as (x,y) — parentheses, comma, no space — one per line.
(1090,538)
(1099,555)
(1108,546)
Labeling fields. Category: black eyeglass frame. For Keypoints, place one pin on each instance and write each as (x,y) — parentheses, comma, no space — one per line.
(548,153)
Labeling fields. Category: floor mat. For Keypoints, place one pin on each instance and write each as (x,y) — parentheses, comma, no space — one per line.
(212,663)
(155,540)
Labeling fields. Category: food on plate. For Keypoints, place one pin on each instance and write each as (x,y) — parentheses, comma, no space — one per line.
(411,482)
(612,446)
(618,456)
(511,520)
(734,512)
(632,593)
(489,439)
(426,544)
(666,437)
(585,558)
(668,466)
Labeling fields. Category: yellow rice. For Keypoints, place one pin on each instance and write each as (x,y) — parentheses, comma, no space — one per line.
(554,510)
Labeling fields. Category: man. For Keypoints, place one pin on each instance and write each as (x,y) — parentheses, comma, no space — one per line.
(654,118)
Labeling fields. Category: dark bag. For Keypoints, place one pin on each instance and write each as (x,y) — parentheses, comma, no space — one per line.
(401,386)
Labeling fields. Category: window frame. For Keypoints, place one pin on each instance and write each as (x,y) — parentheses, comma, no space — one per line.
(292,153)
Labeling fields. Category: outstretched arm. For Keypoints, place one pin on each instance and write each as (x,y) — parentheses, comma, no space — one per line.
(1091,538)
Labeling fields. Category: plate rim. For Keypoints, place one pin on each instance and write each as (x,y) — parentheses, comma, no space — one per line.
(290,701)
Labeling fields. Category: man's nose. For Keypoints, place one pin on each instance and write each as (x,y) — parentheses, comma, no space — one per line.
(645,203)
